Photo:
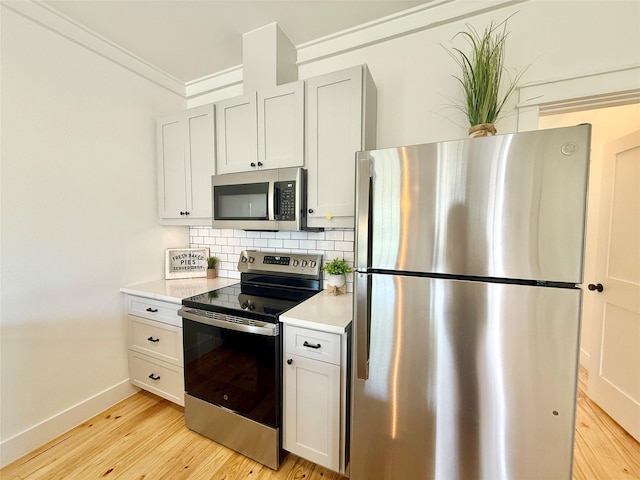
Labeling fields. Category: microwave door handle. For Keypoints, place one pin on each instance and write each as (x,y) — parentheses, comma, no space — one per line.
(270,201)
(276,201)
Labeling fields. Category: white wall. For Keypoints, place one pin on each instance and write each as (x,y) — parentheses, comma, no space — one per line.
(78,185)
(414,73)
(559,39)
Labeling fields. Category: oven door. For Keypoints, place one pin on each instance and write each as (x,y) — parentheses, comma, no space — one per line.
(234,368)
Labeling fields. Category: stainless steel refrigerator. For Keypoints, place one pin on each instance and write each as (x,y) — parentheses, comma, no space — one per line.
(469,259)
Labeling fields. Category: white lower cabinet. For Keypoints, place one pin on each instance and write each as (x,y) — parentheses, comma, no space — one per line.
(155,347)
(314,381)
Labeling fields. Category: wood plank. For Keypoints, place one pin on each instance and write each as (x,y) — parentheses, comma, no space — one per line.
(144,437)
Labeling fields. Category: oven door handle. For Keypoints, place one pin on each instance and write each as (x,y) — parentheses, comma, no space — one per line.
(268,330)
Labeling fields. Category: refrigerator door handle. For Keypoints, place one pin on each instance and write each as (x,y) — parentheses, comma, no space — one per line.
(362,318)
(363,207)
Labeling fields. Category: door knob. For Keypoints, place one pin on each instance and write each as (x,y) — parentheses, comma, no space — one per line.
(595,287)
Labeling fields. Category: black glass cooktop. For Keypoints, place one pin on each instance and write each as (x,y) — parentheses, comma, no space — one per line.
(248,300)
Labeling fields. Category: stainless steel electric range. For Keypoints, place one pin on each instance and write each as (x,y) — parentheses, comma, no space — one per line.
(233,352)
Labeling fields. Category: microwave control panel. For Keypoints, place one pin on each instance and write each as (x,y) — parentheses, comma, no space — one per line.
(285,201)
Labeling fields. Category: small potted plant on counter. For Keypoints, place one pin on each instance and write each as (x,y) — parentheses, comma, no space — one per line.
(212,263)
(337,270)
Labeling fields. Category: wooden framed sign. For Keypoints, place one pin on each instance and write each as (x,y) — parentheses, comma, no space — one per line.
(185,262)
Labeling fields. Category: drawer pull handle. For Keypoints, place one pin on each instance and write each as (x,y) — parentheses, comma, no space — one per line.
(154,340)
(154,378)
(307,344)
(152,310)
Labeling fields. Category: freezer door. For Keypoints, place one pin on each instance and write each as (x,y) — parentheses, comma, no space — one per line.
(510,206)
(464,380)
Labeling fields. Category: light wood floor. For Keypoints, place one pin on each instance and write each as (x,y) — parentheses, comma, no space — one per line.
(144,437)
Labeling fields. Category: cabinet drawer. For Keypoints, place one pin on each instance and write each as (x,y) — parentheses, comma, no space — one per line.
(159,340)
(313,344)
(157,377)
(154,310)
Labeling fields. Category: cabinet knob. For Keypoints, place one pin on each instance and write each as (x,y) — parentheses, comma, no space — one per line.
(253,164)
(310,210)
(185,213)
(259,164)
(290,361)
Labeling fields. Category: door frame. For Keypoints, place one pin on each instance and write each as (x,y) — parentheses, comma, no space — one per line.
(565,95)
(585,92)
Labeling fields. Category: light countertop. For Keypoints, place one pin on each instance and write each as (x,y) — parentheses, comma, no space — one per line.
(325,311)
(175,290)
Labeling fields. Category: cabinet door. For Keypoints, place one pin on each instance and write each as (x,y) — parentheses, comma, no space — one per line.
(236,134)
(312,410)
(201,160)
(185,164)
(334,135)
(172,193)
(281,126)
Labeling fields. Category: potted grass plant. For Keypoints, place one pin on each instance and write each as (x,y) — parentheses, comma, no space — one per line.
(486,83)
(212,263)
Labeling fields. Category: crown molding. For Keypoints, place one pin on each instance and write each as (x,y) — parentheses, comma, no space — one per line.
(217,81)
(47,17)
(407,22)
(423,17)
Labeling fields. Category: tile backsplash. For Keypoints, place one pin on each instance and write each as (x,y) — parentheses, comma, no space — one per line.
(227,245)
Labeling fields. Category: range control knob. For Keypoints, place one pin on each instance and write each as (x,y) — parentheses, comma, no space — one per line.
(296,262)
(312,264)
(243,259)
(251,259)
(304,263)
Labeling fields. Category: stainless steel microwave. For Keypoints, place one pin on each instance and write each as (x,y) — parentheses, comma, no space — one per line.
(260,200)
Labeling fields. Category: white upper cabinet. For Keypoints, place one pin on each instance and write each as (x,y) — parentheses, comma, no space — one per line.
(236,134)
(341,120)
(185,164)
(281,126)
(261,130)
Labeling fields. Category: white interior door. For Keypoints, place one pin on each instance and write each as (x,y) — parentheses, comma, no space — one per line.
(614,376)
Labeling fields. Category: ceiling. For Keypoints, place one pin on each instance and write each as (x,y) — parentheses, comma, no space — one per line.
(191,39)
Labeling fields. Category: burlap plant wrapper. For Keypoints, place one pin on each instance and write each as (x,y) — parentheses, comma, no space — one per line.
(483,130)
(337,290)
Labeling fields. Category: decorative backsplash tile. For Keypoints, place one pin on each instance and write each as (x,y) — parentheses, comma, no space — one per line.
(227,245)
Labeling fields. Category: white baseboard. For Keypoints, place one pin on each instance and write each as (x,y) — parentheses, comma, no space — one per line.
(24,442)
(585,359)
